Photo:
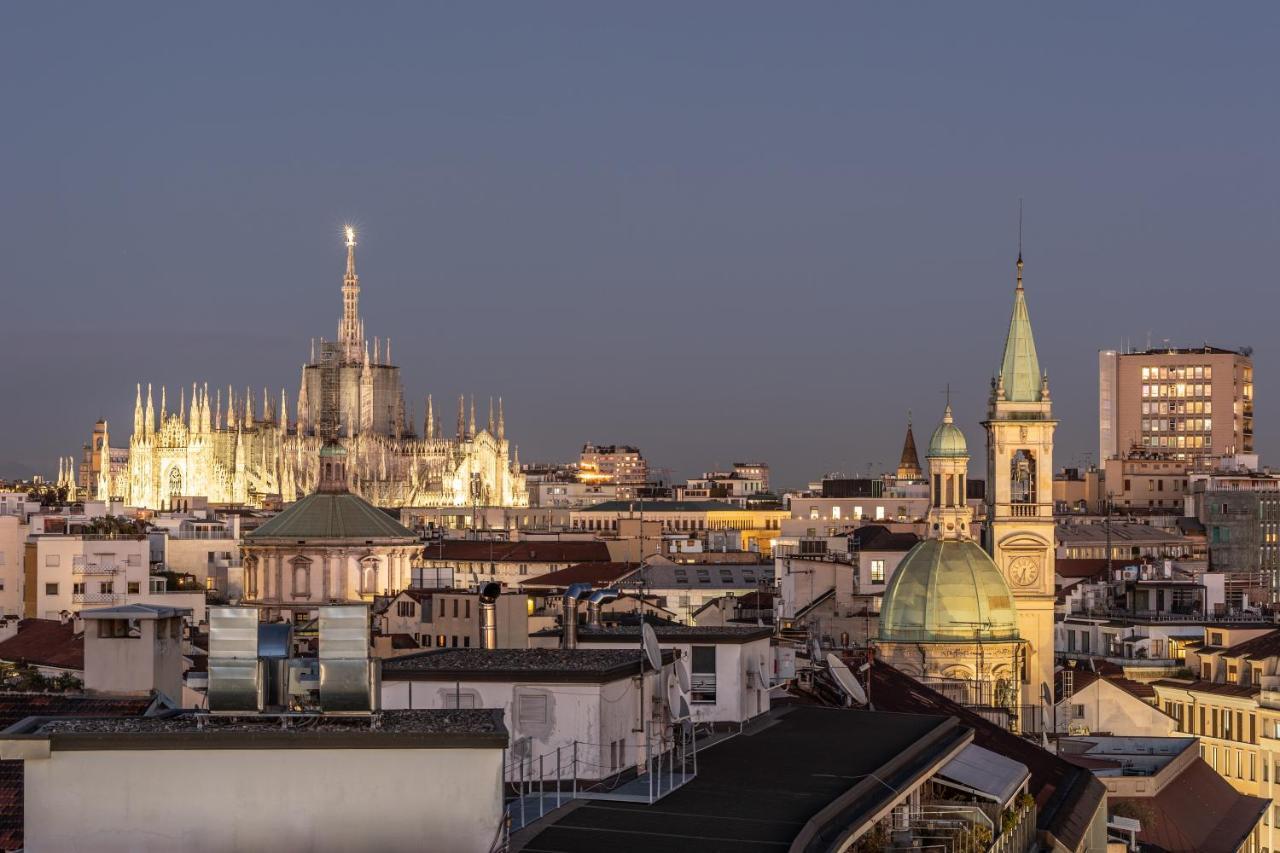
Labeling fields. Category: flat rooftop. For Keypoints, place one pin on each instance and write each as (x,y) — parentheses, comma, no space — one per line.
(425,729)
(760,789)
(518,664)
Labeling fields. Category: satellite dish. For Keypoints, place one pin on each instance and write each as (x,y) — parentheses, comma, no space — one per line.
(845,679)
(1046,696)
(649,640)
(676,702)
(682,675)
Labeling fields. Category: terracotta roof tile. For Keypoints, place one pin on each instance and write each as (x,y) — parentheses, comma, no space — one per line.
(45,642)
(600,574)
(1197,811)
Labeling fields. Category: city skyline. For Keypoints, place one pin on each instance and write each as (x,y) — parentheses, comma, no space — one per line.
(788,290)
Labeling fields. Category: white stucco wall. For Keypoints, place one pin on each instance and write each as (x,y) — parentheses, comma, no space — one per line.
(593,715)
(735,702)
(1107,708)
(264,799)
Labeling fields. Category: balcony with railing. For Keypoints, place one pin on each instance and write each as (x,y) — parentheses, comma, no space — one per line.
(96,569)
(97,597)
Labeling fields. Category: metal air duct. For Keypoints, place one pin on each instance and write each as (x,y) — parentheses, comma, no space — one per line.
(594,602)
(569,638)
(489,615)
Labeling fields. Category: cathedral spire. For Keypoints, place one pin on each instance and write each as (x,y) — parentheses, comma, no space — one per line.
(217,412)
(137,413)
(231,408)
(429,425)
(462,418)
(182,402)
(471,421)
(248,408)
(150,414)
(492,426)
(349,329)
(502,422)
(284,410)
(164,406)
(206,414)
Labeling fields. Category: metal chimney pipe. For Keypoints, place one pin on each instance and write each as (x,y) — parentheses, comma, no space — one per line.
(569,637)
(489,615)
(596,599)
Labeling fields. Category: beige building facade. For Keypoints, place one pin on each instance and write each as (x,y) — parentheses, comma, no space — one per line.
(1185,404)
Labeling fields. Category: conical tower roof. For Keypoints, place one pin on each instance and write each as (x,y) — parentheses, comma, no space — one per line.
(1020,368)
(909,465)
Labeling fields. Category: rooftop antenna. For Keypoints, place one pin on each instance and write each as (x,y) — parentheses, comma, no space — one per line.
(1019,228)
(845,678)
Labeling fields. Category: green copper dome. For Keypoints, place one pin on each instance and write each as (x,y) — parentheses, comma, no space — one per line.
(947,439)
(947,590)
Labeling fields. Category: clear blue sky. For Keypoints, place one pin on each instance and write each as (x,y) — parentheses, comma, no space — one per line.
(716,231)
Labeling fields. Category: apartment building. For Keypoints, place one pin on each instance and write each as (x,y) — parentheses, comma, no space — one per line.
(612,463)
(1185,404)
(1232,704)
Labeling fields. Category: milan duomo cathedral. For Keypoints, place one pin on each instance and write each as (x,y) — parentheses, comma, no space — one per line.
(241,456)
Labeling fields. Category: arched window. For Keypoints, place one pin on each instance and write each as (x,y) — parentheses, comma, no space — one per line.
(369,575)
(1022,475)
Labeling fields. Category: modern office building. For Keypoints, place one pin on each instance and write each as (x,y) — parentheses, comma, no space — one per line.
(1185,404)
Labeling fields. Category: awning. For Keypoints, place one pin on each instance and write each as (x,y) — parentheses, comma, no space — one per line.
(984,773)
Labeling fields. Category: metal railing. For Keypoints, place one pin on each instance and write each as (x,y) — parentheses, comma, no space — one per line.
(95,569)
(96,597)
(222,533)
(636,772)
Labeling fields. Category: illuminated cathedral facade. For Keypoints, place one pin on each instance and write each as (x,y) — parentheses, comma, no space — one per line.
(229,452)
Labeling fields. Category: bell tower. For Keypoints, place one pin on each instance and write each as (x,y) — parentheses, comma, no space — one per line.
(1020,526)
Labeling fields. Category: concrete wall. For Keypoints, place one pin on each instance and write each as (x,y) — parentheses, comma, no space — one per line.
(735,700)
(1107,708)
(277,799)
(593,715)
(135,665)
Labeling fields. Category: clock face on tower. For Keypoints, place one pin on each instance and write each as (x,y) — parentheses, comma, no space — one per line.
(1024,571)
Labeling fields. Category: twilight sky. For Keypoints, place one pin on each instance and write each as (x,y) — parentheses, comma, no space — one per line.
(716,231)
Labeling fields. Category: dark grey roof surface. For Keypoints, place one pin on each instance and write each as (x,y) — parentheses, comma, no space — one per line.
(332,516)
(704,575)
(758,790)
(501,664)
(465,721)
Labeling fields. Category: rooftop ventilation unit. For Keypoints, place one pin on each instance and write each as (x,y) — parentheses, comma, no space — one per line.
(235,673)
(348,679)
